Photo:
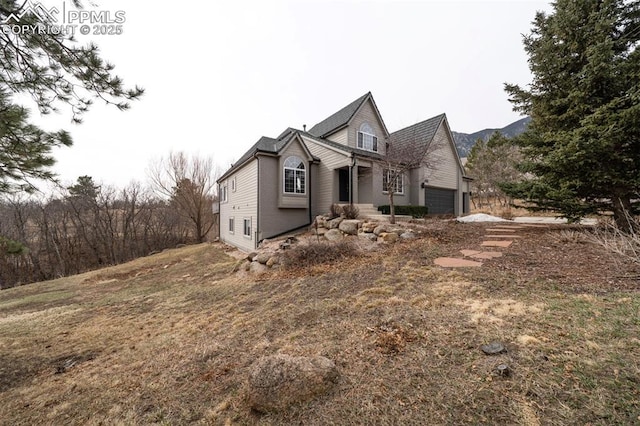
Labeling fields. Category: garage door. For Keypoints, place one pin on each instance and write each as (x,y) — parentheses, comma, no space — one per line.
(440,201)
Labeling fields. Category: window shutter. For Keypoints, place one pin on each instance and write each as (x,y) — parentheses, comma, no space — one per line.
(360,136)
(375,143)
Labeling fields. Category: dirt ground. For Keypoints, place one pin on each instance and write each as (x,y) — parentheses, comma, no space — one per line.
(169,339)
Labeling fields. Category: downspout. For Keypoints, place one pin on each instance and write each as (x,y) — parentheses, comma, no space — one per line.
(310,193)
(257,227)
(353,163)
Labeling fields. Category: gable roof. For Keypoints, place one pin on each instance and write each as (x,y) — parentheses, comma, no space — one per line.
(340,147)
(424,130)
(339,119)
(264,145)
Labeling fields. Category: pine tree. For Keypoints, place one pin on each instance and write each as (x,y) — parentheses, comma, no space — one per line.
(25,150)
(54,70)
(583,143)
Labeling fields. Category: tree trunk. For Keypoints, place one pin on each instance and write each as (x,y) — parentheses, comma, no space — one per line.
(622,214)
(392,209)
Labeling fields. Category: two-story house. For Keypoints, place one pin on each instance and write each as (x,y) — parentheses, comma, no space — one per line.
(280,184)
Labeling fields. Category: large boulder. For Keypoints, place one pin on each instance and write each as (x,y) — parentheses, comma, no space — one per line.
(257,267)
(335,223)
(379,230)
(408,235)
(349,226)
(333,235)
(273,260)
(388,237)
(276,382)
(262,257)
(368,236)
(369,226)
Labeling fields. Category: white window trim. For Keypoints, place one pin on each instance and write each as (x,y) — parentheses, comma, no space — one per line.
(295,170)
(400,176)
(224,193)
(233,185)
(244,228)
(372,142)
(232,219)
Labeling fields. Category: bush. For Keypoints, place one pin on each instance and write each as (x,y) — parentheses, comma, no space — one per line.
(335,210)
(349,211)
(414,211)
(315,253)
(623,246)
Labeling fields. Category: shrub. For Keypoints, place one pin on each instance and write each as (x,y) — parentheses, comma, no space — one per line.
(350,211)
(315,253)
(335,210)
(621,245)
(414,211)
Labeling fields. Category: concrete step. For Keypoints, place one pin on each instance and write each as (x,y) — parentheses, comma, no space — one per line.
(385,217)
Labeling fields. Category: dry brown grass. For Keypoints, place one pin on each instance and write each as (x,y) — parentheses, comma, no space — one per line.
(168,339)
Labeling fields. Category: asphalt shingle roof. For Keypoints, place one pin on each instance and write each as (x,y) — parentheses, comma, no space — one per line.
(338,119)
(424,131)
(341,147)
(264,144)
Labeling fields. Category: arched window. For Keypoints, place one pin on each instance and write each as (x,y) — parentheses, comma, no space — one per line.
(367,138)
(294,175)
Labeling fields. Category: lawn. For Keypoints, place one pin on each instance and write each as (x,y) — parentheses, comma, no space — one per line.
(168,339)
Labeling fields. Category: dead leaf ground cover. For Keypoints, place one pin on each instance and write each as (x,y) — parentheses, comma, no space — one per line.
(168,339)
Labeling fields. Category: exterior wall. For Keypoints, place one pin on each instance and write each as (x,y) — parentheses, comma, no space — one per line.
(382,198)
(325,186)
(415,182)
(341,136)
(367,113)
(445,172)
(290,200)
(365,185)
(274,219)
(241,203)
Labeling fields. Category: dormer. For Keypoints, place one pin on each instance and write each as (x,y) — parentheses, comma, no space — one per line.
(359,125)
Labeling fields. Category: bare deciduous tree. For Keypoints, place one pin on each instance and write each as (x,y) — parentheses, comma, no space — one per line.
(188,183)
(404,153)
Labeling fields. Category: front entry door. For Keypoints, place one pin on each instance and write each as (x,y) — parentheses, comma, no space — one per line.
(343,185)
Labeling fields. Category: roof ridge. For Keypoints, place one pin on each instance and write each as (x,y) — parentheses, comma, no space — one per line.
(339,118)
(440,116)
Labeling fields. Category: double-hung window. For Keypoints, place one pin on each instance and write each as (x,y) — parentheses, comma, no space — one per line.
(392,181)
(247,227)
(223,193)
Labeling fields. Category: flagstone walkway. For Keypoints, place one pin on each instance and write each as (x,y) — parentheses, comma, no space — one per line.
(501,237)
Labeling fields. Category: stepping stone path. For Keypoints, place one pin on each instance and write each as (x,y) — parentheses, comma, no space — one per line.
(501,236)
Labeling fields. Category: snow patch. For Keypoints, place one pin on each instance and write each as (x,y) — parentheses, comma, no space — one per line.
(481,217)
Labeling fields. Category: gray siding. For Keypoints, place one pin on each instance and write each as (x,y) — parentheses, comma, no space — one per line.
(367,113)
(325,188)
(275,220)
(242,203)
(382,198)
(445,171)
(341,136)
(292,200)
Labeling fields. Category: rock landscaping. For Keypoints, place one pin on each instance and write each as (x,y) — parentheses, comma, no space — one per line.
(326,228)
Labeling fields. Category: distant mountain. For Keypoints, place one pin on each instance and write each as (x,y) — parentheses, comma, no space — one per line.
(465,141)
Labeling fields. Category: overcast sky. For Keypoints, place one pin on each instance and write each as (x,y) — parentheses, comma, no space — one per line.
(219,75)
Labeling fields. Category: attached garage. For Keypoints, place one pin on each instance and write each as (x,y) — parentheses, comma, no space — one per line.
(440,201)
